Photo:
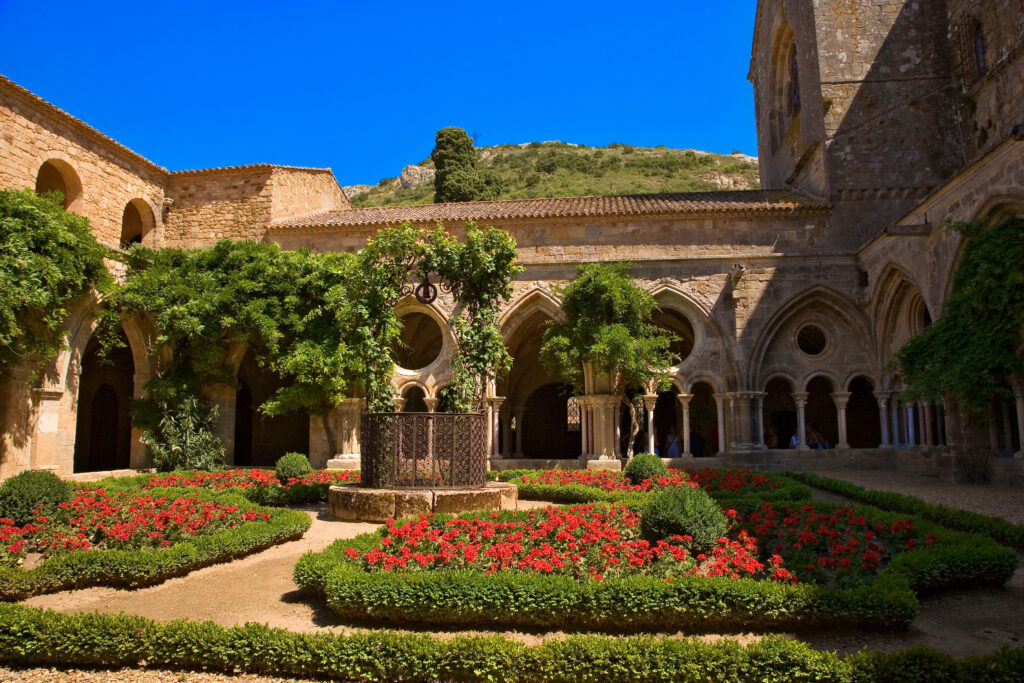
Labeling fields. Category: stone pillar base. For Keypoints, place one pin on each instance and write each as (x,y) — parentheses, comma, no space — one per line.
(345,461)
(608,464)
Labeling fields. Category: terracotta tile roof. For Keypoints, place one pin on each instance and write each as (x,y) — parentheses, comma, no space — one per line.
(245,168)
(741,201)
(77,123)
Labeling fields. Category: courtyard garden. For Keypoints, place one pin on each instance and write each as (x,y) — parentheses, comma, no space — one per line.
(689,574)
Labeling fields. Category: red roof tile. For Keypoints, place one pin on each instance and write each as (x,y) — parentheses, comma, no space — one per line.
(740,201)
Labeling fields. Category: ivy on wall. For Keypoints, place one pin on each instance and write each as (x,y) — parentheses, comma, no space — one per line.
(48,258)
(974,346)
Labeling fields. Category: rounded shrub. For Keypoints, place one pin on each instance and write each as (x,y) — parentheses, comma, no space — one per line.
(645,466)
(684,511)
(23,493)
(292,466)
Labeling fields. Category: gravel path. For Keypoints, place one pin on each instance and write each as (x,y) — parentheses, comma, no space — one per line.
(986,499)
(259,588)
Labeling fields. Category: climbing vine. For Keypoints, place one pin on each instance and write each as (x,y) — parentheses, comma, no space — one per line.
(48,258)
(974,346)
(324,323)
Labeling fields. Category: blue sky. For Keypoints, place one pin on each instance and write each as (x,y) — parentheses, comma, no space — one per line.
(361,87)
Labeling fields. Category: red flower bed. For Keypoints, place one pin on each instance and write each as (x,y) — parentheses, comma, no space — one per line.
(605,480)
(736,481)
(831,547)
(95,520)
(248,478)
(582,541)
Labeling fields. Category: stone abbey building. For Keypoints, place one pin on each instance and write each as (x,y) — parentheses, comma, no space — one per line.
(877,123)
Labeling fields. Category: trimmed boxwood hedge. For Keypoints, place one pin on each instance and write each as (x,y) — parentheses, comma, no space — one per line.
(31,636)
(578,493)
(951,518)
(521,600)
(150,566)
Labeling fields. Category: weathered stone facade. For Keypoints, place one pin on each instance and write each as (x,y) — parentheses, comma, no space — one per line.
(877,123)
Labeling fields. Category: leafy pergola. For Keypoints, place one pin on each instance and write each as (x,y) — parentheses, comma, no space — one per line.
(324,323)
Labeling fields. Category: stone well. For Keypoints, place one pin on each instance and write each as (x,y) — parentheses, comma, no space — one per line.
(415,463)
(357,504)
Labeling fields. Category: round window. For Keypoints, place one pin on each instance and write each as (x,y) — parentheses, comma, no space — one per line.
(811,339)
(420,342)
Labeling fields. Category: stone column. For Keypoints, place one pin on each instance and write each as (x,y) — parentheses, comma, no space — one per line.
(800,399)
(759,419)
(894,413)
(519,411)
(584,426)
(684,400)
(431,404)
(1018,394)
(929,424)
(911,432)
(940,425)
(720,414)
(399,403)
(650,400)
(744,425)
(223,396)
(43,452)
(883,417)
(952,419)
(841,398)
(496,402)
(1007,429)
(506,432)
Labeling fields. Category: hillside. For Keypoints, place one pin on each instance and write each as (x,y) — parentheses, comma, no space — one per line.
(558,169)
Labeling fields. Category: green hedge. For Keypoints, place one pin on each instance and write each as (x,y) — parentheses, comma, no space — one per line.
(951,518)
(522,600)
(134,568)
(578,493)
(30,636)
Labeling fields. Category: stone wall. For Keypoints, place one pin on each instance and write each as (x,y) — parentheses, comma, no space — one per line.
(299,192)
(232,203)
(992,99)
(110,175)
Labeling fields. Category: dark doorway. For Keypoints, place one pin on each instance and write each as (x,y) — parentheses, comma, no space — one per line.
(268,437)
(863,424)
(103,430)
(779,413)
(546,424)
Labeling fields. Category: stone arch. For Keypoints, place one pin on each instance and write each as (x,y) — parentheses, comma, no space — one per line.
(58,175)
(533,301)
(848,333)
(708,338)
(779,409)
(899,310)
(863,421)
(784,85)
(414,394)
(266,437)
(137,222)
(820,410)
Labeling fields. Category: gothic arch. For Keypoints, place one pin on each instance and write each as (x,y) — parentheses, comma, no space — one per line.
(899,311)
(822,306)
(522,309)
(708,337)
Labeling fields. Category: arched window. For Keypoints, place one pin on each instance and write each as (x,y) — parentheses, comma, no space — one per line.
(980,64)
(136,222)
(793,88)
(56,175)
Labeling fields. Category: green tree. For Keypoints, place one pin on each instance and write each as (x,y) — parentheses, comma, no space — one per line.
(48,258)
(608,324)
(973,347)
(457,178)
